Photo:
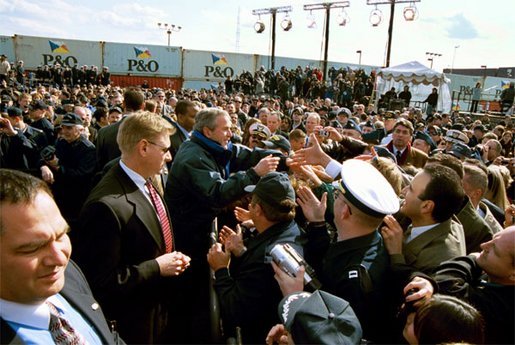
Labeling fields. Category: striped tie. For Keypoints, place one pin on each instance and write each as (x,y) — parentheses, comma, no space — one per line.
(61,330)
(166,227)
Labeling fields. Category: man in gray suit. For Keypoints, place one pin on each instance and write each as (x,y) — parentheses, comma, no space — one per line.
(433,196)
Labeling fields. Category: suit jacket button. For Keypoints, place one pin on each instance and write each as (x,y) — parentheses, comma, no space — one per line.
(95,306)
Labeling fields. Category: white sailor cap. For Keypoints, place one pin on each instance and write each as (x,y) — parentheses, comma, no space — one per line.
(366,188)
(455,136)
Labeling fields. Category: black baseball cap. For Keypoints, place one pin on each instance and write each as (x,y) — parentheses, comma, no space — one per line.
(71,119)
(273,188)
(14,111)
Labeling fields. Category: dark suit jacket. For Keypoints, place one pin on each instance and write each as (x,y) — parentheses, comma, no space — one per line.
(176,140)
(118,239)
(77,292)
(107,147)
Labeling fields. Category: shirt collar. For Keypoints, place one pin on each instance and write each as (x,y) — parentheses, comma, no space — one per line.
(419,230)
(135,177)
(34,315)
(183,130)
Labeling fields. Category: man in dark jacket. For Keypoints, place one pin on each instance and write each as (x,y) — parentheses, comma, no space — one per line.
(38,279)
(246,288)
(125,241)
(207,175)
(356,266)
(71,169)
(20,143)
(492,293)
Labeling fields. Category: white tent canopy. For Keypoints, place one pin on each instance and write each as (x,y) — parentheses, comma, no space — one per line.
(419,78)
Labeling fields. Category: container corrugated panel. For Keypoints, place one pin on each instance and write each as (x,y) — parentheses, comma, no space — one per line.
(132,80)
(7,47)
(289,63)
(149,60)
(366,68)
(200,84)
(210,66)
(35,51)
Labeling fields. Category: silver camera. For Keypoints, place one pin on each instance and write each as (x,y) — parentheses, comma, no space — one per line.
(287,258)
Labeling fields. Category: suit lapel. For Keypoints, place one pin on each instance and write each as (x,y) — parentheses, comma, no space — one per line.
(142,206)
(415,246)
(89,309)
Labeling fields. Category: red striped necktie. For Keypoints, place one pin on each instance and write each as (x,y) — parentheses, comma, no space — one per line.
(166,226)
(61,330)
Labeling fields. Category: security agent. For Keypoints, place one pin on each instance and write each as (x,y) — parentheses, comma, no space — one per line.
(35,269)
(246,288)
(317,318)
(356,266)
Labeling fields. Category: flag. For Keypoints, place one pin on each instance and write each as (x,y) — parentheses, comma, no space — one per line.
(219,59)
(142,53)
(58,47)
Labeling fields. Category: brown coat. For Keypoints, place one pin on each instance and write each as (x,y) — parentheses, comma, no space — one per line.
(410,156)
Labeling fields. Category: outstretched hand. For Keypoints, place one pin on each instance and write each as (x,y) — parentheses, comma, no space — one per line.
(313,155)
(313,209)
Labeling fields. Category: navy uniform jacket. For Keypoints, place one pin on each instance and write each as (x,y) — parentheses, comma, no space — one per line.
(21,151)
(248,292)
(356,270)
(47,127)
(73,179)
(77,292)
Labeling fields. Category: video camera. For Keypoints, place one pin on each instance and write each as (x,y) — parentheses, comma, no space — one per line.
(287,258)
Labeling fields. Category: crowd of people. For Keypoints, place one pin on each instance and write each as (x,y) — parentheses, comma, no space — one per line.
(55,75)
(344,85)
(170,198)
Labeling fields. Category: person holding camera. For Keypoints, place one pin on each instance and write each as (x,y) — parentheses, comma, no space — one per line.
(20,144)
(244,276)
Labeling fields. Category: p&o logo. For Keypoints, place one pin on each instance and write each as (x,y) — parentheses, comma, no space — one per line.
(58,48)
(141,63)
(217,70)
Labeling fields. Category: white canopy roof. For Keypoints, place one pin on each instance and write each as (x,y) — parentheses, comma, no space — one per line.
(413,72)
(419,78)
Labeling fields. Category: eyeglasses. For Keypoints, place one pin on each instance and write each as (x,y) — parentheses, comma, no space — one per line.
(163,148)
(338,194)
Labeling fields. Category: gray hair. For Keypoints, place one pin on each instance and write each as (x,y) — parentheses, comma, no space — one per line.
(207,118)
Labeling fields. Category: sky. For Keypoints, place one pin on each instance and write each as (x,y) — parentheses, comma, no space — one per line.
(467,33)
